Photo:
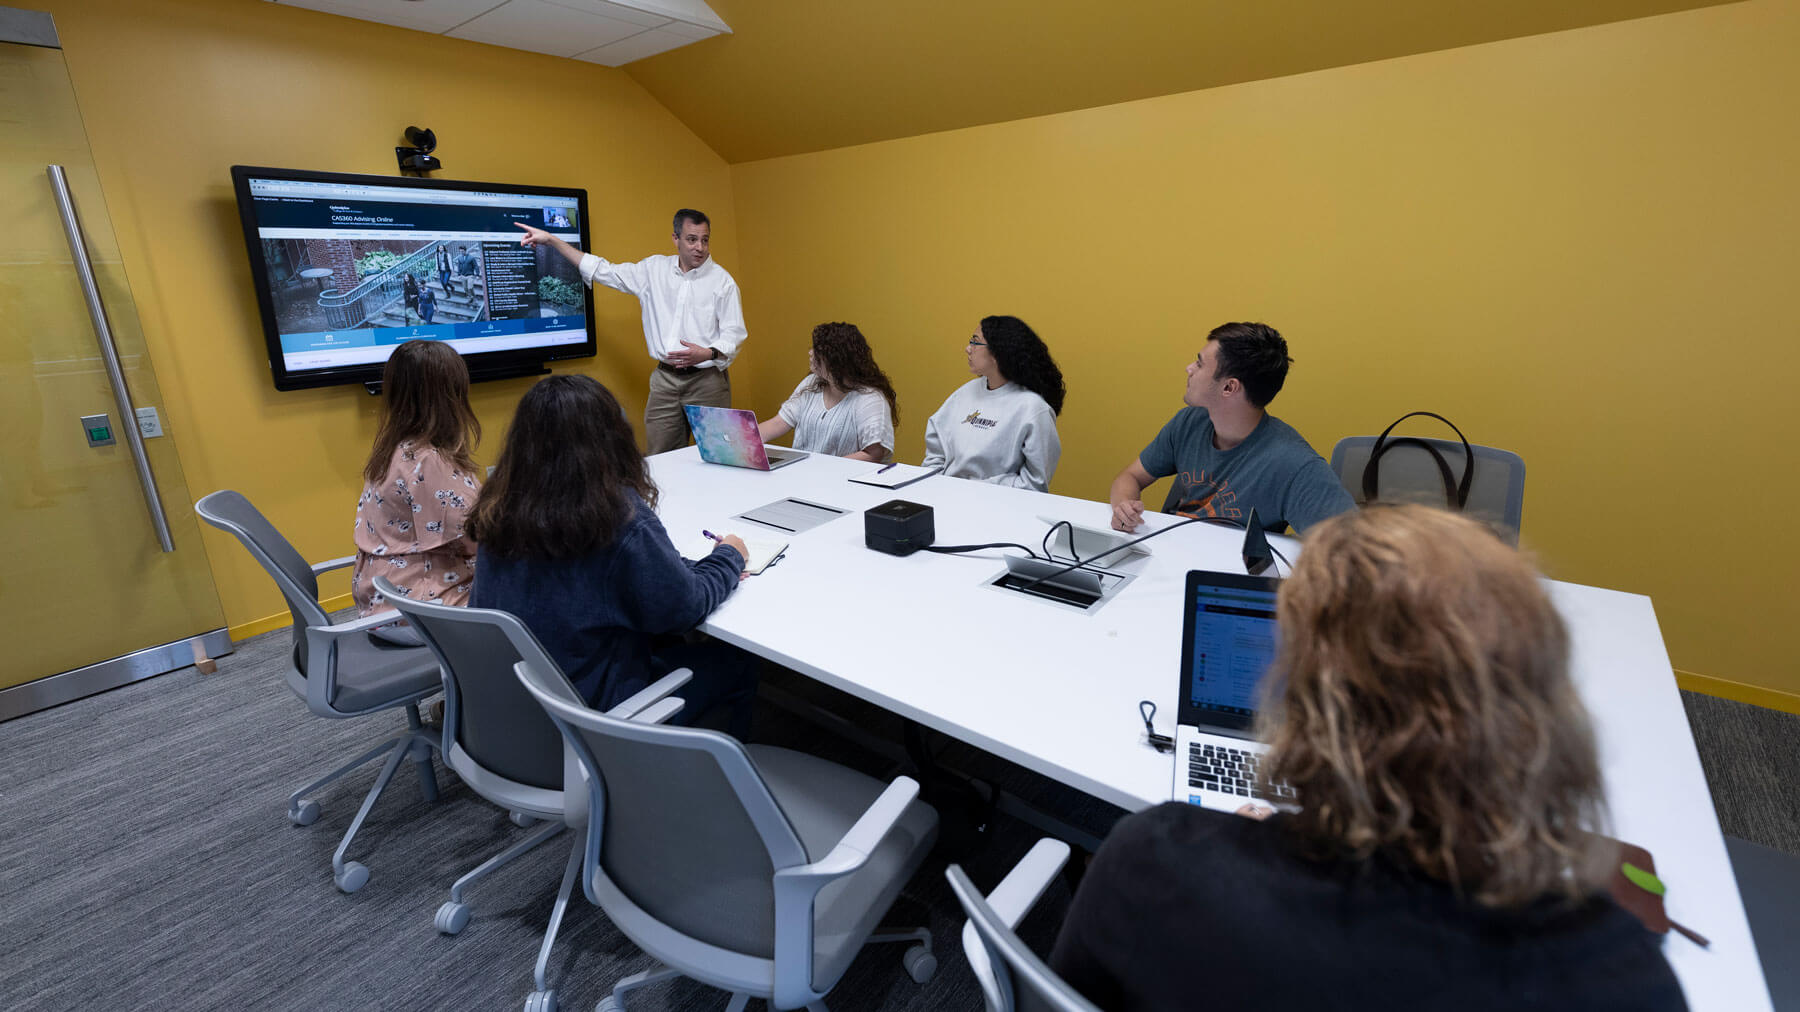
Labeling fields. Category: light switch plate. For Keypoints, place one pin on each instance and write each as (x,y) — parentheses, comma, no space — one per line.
(149,425)
(99,430)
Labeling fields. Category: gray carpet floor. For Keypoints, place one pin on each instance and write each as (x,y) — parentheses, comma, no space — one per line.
(147,860)
(1752,760)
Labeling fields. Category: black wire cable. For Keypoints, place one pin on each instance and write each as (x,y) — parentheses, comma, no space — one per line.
(960,549)
(1078,563)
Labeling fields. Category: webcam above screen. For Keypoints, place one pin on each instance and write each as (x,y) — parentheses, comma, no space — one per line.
(349,267)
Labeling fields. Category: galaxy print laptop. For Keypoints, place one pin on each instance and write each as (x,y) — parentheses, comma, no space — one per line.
(729,436)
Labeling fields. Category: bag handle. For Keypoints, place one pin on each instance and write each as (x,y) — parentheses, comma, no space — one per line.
(1455,493)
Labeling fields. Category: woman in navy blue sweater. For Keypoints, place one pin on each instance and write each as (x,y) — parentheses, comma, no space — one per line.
(570,543)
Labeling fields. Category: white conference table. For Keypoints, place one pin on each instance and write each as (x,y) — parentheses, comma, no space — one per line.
(1056,690)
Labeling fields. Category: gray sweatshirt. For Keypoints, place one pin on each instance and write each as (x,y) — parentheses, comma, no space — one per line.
(1005,436)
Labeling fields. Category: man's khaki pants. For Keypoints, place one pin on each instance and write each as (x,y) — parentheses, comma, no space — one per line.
(665,424)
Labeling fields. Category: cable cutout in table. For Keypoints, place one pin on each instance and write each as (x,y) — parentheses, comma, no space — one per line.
(1078,563)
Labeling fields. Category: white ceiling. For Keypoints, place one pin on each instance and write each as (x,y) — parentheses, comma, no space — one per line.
(610,32)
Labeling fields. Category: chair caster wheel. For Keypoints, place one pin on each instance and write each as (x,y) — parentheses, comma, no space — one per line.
(920,964)
(305,813)
(521,820)
(540,1001)
(609,1004)
(451,918)
(351,878)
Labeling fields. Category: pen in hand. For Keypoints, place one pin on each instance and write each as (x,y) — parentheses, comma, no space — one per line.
(713,536)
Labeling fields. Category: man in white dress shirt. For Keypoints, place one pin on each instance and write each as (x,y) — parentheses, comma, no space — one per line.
(693,321)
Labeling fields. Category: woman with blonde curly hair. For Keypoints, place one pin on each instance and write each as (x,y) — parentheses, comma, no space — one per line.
(1421,709)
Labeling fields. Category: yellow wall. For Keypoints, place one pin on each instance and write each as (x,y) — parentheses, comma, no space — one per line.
(1579,246)
(1576,245)
(174,92)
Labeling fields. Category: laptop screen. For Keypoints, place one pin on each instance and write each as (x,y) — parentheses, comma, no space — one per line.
(727,436)
(1228,644)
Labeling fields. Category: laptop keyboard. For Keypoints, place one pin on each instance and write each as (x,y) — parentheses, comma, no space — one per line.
(1229,771)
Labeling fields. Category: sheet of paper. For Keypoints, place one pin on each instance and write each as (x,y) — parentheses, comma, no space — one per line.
(792,515)
(895,475)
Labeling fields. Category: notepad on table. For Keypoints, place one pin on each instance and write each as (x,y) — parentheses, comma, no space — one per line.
(763,551)
(895,475)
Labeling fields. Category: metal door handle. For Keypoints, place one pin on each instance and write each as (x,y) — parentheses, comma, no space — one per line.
(65,205)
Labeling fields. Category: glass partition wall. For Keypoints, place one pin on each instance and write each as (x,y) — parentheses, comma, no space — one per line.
(104,579)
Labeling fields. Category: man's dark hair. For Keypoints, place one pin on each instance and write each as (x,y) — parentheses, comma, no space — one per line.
(1255,355)
(689,214)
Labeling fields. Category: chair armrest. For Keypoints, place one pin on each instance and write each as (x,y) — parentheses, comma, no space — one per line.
(328,565)
(863,837)
(1020,890)
(798,886)
(659,712)
(1016,894)
(575,790)
(668,683)
(321,678)
(355,625)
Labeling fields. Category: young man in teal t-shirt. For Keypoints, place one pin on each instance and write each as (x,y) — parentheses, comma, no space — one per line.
(1227,453)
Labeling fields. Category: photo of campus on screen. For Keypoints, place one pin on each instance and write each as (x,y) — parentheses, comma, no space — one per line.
(347,284)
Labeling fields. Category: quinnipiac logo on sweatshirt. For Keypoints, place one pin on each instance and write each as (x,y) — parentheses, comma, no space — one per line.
(979,422)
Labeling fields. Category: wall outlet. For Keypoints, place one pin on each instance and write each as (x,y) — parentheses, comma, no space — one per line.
(149,425)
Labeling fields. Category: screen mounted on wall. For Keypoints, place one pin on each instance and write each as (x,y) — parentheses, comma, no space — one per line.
(347,267)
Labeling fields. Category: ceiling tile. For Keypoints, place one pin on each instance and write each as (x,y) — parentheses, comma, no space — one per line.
(693,12)
(436,16)
(656,40)
(545,28)
(636,16)
(690,33)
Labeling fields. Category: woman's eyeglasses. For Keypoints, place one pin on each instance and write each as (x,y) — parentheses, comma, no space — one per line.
(976,342)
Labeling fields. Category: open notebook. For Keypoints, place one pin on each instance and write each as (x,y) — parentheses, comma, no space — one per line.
(895,475)
(763,551)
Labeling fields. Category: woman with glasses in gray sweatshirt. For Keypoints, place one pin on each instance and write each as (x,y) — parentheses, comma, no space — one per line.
(1000,427)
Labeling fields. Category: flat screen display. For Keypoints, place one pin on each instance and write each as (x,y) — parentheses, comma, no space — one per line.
(348,267)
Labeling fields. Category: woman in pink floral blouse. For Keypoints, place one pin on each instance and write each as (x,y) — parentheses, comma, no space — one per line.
(420,482)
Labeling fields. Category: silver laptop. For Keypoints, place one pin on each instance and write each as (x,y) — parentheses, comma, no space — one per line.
(1227,647)
(729,436)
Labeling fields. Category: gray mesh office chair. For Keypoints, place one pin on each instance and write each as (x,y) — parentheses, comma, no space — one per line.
(754,869)
(502,744)
(1012,977)
(1489,482)
(338,670)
